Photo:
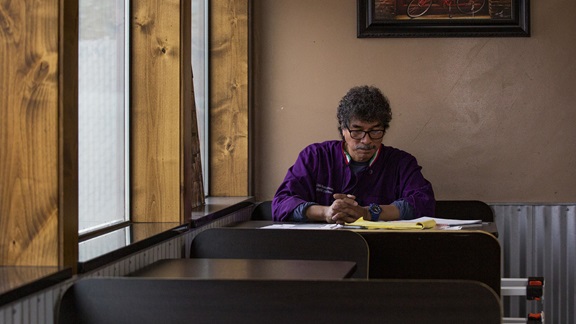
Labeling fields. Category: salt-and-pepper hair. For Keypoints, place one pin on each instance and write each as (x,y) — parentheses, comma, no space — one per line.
(364,103)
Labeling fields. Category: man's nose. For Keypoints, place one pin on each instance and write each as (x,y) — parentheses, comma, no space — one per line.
(366,138)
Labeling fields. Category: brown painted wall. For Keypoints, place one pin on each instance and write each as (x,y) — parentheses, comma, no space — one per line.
(488,118)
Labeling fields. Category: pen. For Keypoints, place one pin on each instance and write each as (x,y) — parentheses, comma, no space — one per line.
(468,225)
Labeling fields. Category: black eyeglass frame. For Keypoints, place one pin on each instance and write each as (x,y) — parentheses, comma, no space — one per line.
(366,132)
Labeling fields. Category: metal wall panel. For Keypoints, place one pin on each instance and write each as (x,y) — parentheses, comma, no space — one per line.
(540,240)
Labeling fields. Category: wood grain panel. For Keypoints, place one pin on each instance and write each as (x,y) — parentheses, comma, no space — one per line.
(229,98)
(29,132)
(156,129)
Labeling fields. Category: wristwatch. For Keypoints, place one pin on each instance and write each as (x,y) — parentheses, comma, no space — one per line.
(375,211)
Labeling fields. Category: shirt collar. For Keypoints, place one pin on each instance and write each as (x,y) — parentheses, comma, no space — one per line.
(348,158)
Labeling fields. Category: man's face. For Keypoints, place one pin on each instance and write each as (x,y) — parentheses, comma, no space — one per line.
(360,145)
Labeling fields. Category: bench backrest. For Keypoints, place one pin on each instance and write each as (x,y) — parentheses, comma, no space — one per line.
(142,301)
(256,243)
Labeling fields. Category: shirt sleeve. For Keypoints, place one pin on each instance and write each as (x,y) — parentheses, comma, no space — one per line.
(297,188)
(406,210)
(299,213)
(415,191)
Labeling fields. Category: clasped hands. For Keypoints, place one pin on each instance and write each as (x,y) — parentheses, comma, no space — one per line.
(344,209)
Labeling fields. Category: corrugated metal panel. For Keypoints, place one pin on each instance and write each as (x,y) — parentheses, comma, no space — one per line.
(540,240)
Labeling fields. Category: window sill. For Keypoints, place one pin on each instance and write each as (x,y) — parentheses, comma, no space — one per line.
(110,247)
(217,207)
(20,281)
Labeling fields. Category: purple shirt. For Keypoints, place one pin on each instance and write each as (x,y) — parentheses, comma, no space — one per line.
(322,169)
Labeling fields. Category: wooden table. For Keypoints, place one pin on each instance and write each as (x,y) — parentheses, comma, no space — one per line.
(247,269)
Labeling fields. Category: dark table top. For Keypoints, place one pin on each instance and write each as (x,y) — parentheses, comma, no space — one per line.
(247,269)
(489,227)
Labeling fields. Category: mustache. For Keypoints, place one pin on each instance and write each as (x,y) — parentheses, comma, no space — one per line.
(364,147)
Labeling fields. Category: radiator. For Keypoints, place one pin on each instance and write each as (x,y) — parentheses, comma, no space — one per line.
(540,240)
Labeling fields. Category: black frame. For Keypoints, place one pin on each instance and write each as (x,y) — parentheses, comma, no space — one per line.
(372,26)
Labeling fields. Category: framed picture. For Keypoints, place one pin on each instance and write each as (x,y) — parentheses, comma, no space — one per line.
(443,18)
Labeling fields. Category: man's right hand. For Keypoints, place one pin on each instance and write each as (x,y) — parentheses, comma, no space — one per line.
(345,209)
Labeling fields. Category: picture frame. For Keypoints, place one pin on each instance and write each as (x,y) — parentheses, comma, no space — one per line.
(443,18)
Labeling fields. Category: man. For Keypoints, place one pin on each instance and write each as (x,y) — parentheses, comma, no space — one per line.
(358,177)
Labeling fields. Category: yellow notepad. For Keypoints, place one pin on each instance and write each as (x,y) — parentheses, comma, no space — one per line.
(403,225)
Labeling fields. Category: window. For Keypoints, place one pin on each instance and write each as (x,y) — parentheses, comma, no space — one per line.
(102,113)
(103,117)
(200,69)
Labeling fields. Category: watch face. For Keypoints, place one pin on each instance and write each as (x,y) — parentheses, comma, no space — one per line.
(375,208)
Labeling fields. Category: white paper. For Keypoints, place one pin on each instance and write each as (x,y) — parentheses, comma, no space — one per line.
(446,221)
(303,226)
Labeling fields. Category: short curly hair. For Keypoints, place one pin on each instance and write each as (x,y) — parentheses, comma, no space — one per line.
(365,103)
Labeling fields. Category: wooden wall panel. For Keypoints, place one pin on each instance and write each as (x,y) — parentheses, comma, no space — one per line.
(164,137)
(155,105)
(229,98)
(29,132)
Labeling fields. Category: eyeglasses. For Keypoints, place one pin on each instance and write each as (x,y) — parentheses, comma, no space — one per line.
(359,134)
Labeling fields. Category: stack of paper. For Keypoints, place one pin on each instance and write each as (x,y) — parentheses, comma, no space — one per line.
(300,226)
(448,222)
